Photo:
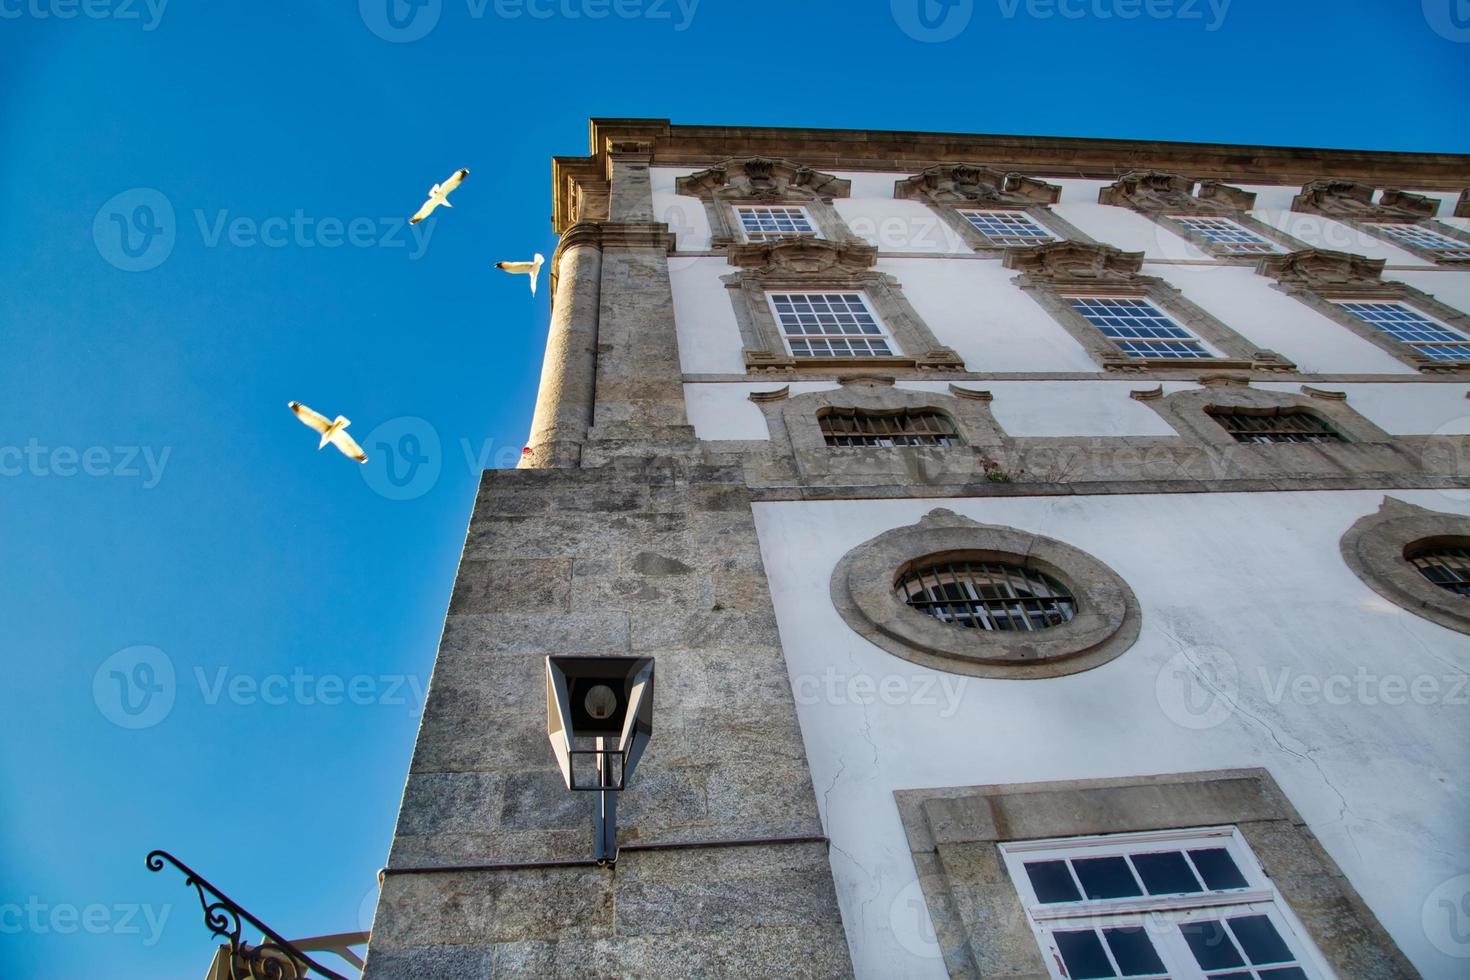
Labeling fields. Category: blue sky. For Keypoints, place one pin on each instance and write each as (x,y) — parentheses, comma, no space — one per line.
(216,637)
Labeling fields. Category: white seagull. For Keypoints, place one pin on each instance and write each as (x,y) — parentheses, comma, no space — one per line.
(439,195)
(334,431)
(532,269)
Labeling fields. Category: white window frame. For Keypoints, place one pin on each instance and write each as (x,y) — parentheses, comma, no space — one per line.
(1159,916)
(745,234)
(1400,234)
(1051,236)
(1230,248)
(883,332)
(1209,349)
(1418,346)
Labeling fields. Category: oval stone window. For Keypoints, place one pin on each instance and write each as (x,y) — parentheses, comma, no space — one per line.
(1446,566)
(986,595)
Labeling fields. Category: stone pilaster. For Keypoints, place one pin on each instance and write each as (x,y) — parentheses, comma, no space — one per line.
(569,370)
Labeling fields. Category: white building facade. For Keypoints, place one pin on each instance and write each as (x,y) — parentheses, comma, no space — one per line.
(1065,542)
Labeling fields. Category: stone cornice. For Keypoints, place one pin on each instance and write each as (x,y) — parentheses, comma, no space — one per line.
(1322,268)
(1042,156)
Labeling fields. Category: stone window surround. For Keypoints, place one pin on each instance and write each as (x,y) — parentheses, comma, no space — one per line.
(955,836)
(1375,548)
(816,265)
(1106,624)
(1182,196)
(1111,273)
(950,188)
(1353,204)
(794,422)
(1187,412)
(1462,206)
(765,181)
(1317,277)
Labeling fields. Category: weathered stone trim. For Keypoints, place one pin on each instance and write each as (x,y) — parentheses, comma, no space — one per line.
(954,836)
(1187,412)
(1160,374)
(796,433)
(1106,624)
(765,181)
(948,188)
(1052,273)
(814,265)
(1462,206)
(1316,277)
(1375,549)
(1353,204)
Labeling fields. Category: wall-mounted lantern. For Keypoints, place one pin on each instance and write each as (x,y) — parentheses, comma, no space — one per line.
(599,717)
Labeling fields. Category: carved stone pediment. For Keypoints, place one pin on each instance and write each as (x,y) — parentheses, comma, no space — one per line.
(805,256)
(1319,268)
(1159,190)
(968,185)
(1071,261)
(1346,199)
(762,179)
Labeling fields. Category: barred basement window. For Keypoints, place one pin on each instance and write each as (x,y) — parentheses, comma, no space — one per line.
(1008,227)
(830,325)
(849,428)
(1138,328)
(1226,234)
(1408,326)
(987,595)
(1274,425)
(1447,567)
(1417,236)
(761,222)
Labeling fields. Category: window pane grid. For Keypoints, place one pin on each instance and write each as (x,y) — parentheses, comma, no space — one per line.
(903,429)
(1225,233)
(1407,325)
(829,325)
(987,595)
(760,222)
(1008,227)
(1138,328)
(1275,426)
(1420,237)
(1448,568)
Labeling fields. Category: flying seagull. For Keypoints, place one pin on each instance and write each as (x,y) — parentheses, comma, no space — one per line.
(334,431)
(439,194)
(532,269)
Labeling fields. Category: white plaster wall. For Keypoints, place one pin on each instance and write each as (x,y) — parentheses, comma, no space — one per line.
(1093,408)
(1249,305)
(1252,580)
(1450,286)
(704,316)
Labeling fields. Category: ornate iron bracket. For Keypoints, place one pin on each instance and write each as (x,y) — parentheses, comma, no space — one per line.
(275,958)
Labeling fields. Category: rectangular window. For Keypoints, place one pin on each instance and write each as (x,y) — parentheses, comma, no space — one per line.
(847,428)
(1407,325)
(1443,246)
(1273,425)
(761,222)
(1171,905)
(1226,235)
(1138,328)
(830,325)
(1008,227)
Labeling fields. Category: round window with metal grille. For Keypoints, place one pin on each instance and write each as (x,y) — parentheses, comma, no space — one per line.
(1447,567)
(987,595)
